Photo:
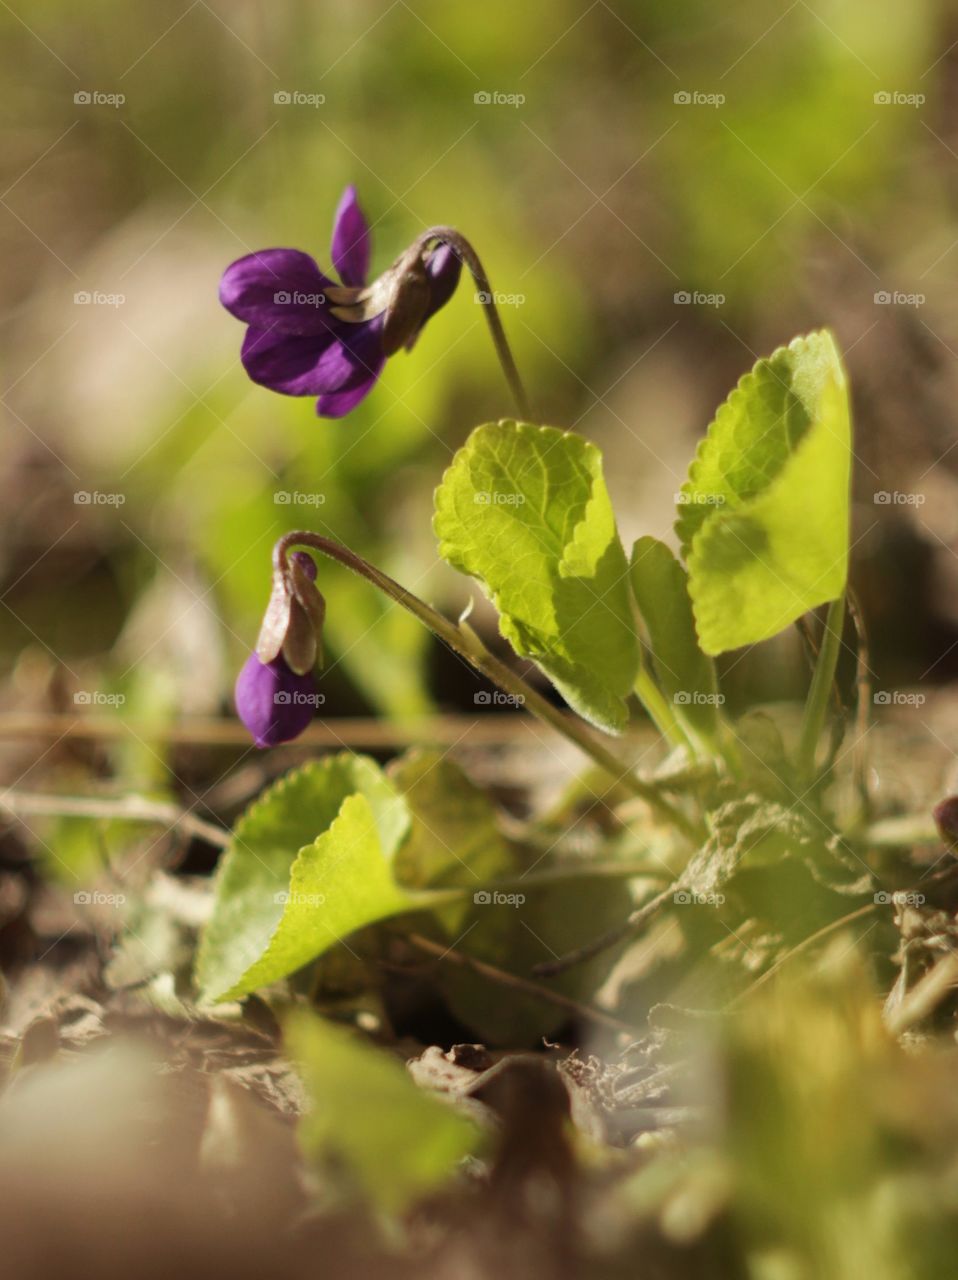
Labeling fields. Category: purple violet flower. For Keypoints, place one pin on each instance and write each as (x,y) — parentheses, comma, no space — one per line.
(274,702)
(309,336)
(277,693)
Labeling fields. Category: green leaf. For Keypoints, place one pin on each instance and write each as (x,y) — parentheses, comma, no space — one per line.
(525,511)
(764,514)
(368,1117)
(518,928)
(686,675)
(455,838)
(309,863)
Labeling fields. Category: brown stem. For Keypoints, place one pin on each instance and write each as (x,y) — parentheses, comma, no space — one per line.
(464,250)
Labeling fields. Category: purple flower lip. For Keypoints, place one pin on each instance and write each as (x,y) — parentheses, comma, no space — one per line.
(309,336)
(275,703)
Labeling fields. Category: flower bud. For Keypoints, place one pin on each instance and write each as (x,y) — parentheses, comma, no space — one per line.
(274,702)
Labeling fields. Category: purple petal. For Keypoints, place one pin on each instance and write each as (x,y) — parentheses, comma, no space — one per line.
(362,348)
(279,289)
(336,404)
(336,360)
(273,703)
(445,268)
(347,359)
(286,362)
(350,248)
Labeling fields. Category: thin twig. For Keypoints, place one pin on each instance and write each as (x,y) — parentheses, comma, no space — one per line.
(488,729)
(514,983)
(581,954)
(801,947)
(127,808)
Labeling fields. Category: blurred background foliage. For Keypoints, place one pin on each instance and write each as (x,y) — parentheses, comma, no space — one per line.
(597,201)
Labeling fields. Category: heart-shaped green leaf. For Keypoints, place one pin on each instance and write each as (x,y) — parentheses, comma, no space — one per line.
(763,517)
(525,511)
(309,863)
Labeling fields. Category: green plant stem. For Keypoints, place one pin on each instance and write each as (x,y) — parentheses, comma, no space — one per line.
(660,712)
(465,642)
(816,706)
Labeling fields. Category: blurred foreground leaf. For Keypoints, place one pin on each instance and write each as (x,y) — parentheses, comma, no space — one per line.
(369,1118)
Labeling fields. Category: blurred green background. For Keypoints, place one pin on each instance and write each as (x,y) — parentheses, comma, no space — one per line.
(672,191)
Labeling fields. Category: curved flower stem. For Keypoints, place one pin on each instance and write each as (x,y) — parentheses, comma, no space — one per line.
(467,644)
(464,250)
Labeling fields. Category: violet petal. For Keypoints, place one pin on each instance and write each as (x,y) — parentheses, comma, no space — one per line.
(362,346)
(285,362)
(350,247)
(336,404)
(445,268)
(279,289)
